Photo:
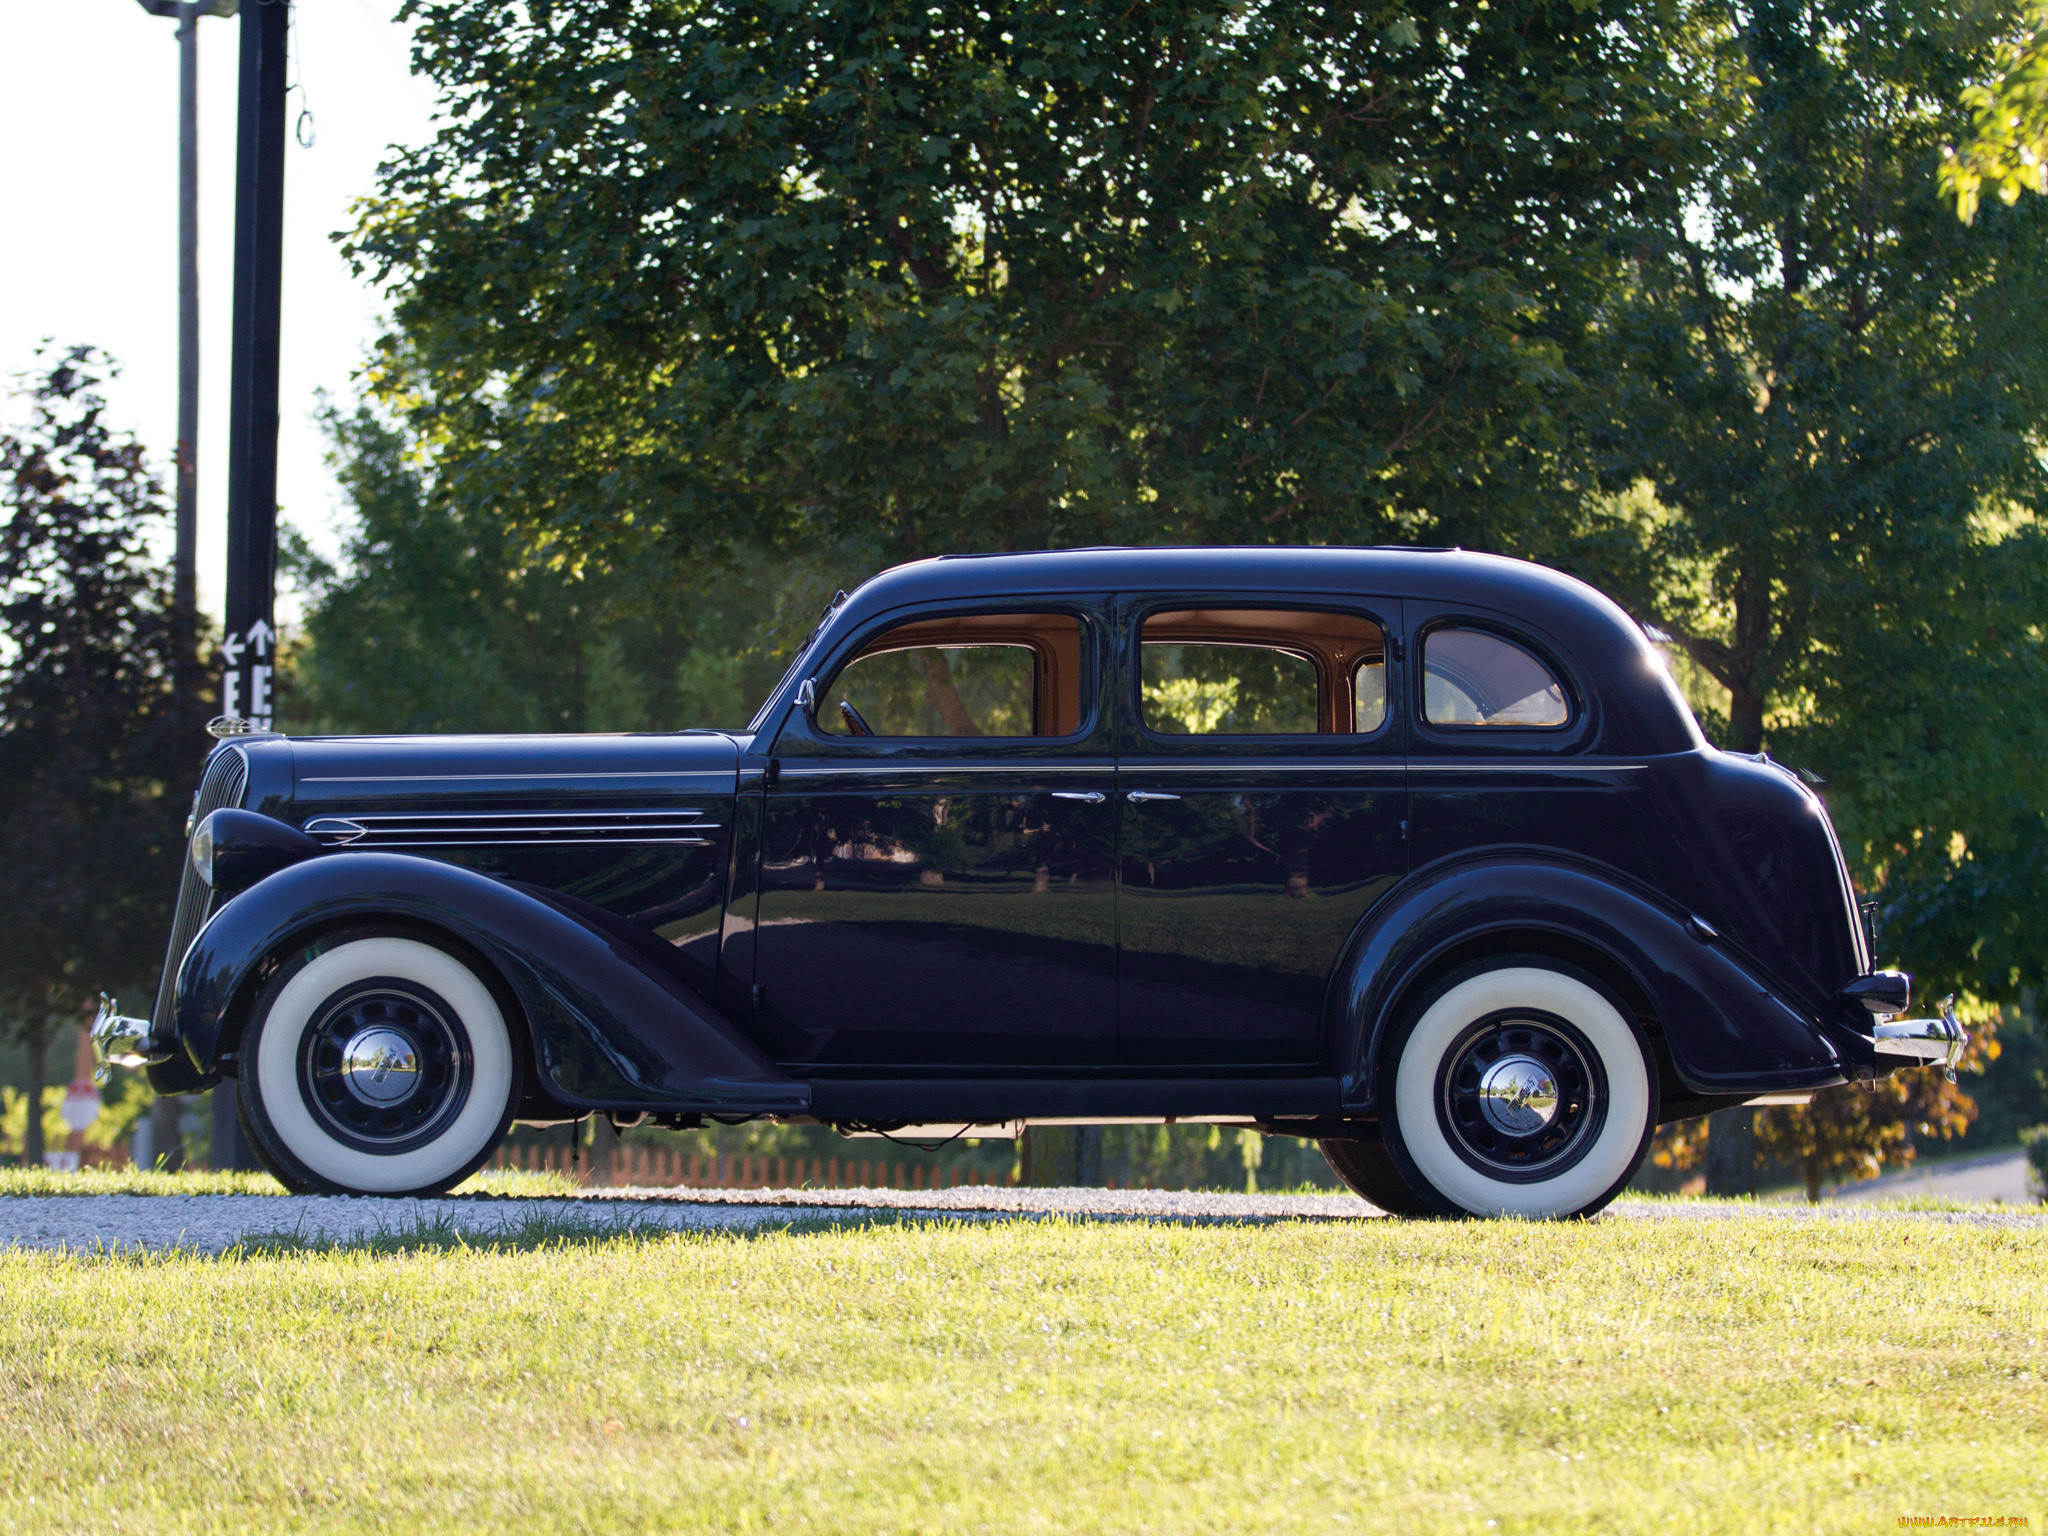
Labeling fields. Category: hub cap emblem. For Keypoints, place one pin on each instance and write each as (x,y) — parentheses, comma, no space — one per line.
(1519,1095)
(380,1066)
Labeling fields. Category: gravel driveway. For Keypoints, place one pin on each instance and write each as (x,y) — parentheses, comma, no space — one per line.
(210,1223)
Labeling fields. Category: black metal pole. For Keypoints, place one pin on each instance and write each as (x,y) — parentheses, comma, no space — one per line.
(248,640)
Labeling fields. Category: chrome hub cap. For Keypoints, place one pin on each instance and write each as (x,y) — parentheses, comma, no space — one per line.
(1519,1095)
(380,1066)
(384,1065)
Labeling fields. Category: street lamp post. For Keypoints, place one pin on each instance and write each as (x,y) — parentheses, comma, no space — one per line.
(165,1136)
(185,561)
(248,638)
(249,634)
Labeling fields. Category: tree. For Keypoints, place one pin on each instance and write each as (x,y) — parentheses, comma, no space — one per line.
(443,619)
(937,277)
(1818,472)
(2007,147)
(102,708)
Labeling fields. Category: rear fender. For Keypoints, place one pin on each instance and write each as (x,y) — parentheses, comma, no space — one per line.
(1728,1032)
(609,1030)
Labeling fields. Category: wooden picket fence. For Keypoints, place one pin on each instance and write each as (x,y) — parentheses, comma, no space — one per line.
(669,1168)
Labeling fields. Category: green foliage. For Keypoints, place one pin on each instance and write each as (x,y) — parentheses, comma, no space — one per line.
(2007,149)
(1818,463)
(939,277)
(2035,1140)
(102,703)
(442,618)
(1666,295)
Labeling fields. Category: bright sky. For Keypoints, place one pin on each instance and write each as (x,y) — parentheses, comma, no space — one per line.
(89,136)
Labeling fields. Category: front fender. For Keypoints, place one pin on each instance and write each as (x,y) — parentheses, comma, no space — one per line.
(1728,1032)
(609,1031)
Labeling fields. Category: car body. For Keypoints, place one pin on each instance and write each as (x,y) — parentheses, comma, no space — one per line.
(1226,834)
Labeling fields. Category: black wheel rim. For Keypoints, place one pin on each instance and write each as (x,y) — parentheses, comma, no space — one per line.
(385,1065)
(1521,1096)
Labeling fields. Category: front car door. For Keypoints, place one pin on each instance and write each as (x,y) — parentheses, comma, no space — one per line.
(937,882)
(1260,759)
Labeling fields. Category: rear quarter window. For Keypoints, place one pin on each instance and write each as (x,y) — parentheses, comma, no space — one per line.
(1474,678)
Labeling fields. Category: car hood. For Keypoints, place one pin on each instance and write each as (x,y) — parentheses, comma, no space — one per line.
(331,769)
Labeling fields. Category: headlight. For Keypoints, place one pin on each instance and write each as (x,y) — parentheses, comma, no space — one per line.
(202,851)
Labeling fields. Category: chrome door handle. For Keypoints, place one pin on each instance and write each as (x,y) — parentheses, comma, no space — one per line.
(1092,796)
(1140,795)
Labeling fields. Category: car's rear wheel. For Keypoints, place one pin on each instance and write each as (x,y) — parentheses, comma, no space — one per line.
(1369,1172)
(1519,1087)
(376,1064)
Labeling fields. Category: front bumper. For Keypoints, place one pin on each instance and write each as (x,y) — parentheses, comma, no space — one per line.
(123,1042)
(1939,1041)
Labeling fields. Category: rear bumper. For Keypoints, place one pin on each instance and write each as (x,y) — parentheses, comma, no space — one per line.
(1927,1042)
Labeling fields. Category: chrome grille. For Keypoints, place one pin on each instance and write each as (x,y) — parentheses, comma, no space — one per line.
(226,776)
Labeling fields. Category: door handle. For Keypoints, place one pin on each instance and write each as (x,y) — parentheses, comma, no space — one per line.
(1091,796)
(1140,795)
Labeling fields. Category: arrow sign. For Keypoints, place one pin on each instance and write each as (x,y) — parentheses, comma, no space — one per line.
(260,637)
(231,649)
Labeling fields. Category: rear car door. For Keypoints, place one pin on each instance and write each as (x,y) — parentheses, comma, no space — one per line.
(1261,764)
(941,893)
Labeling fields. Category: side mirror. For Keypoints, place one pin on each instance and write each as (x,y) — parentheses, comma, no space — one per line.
(807,698)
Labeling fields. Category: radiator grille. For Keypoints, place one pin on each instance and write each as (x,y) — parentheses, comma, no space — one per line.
(222,784)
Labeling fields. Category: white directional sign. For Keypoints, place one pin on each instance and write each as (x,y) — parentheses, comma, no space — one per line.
(245,691)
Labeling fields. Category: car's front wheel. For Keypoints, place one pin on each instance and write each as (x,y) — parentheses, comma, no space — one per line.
(376,1064)
(1519,1087)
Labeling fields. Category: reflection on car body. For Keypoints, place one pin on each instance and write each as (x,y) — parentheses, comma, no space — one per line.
(1417,853)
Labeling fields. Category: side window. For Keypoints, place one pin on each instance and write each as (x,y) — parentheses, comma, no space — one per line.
(1211,689)
(1369,694)
(1261,672)
(1470,677)
(977,675)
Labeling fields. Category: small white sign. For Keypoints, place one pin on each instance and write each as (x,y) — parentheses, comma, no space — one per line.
(81,1104)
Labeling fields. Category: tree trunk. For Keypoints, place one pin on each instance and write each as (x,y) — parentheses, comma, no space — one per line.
(168,1135)
(1050,1155)
(32,1147)
(1731,1151)
(1746,719)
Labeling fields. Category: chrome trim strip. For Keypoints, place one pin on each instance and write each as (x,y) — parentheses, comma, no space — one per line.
(1151,765)
(394,816)
(1019,769)
(1426,766)
(489,828)
(479,778)
(525,842)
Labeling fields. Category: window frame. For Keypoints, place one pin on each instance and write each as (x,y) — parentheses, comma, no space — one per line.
(1140,609)
(800,731)
(1042,662)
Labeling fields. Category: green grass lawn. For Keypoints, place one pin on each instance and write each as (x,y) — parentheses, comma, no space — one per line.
(1753,1374)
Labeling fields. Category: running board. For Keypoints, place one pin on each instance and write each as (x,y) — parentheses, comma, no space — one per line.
(982,1100)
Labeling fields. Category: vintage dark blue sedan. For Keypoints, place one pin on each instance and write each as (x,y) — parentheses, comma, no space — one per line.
(1418,853)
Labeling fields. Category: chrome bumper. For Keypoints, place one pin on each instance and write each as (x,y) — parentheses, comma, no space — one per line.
(122,1042)
(1932,1041)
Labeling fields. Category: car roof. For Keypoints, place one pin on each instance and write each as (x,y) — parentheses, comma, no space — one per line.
(1608,648)
(1448,574)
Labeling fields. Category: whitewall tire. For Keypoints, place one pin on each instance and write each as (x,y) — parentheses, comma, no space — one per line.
(375,1064)
(1520,1087)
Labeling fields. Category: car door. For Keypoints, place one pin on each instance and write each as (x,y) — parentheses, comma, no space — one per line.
(941,894)
(1500,748)
(1260,761)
